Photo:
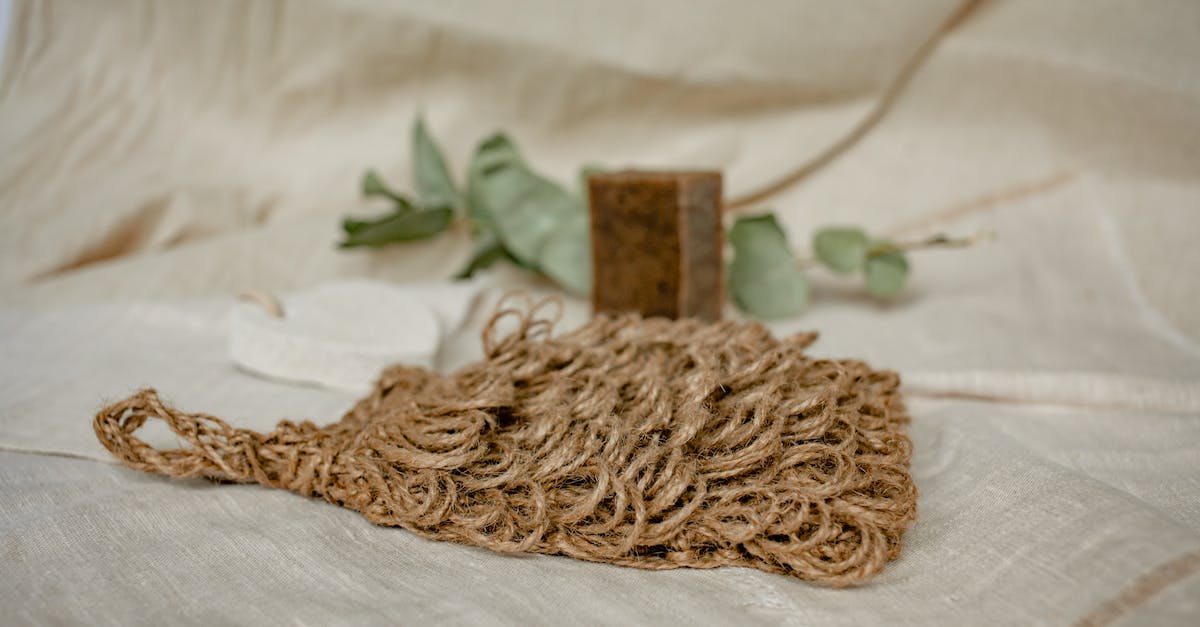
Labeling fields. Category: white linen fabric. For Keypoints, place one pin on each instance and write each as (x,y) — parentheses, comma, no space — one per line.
(343,334)
(157,157)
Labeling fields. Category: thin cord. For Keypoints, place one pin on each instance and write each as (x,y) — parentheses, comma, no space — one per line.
(986,201)
(890,95)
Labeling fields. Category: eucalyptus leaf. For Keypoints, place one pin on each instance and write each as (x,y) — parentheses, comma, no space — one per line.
(886,270)
(495,152)
(763,275)
(354,225)
(373,185)
(402,226)
(522,207)
(435,186)
(487,251)
(841,249)
(566,256)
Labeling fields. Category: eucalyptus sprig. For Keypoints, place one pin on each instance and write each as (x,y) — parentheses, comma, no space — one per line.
(513,212)
(516,214)
(767,280)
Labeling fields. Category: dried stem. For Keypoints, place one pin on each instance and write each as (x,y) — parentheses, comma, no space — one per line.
(885,102)
(941,240)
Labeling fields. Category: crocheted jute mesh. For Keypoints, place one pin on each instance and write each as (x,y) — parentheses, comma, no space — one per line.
(651,443)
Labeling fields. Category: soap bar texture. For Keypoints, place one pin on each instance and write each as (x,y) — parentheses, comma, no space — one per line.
(656,243)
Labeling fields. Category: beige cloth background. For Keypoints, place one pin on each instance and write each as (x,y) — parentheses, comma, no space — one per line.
(158,156)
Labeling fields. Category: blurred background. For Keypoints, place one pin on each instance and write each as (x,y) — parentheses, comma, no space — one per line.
(159,156)
(173,149)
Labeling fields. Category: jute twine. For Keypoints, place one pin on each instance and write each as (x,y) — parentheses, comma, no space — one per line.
(643,442)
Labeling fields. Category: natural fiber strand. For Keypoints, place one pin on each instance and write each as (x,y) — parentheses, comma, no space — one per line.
(891,94)
(651,443)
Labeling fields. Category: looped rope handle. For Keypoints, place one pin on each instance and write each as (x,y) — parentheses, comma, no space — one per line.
(218,450)
(531,317)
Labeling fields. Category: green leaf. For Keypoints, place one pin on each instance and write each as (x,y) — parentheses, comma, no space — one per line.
(841,249)
(487,251)
(353,225)
(522,207)
(403,225)
(435,186)
(495,152)
(886,270)
(566,256)
(373,185)
(763,275)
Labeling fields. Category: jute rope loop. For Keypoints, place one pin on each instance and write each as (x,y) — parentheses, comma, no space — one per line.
(643,442)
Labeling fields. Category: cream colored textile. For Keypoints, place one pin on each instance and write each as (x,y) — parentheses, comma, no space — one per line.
(157,157)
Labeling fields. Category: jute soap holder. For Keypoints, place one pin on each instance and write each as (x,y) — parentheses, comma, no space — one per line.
(644,442)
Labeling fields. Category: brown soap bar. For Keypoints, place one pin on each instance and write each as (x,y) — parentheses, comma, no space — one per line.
(656,243)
